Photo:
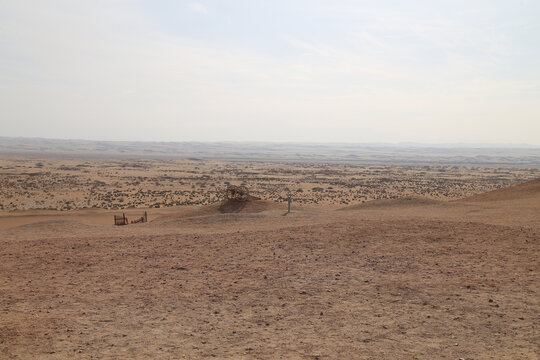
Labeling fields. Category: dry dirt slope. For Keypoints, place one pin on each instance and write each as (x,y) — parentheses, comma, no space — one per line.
(528,191)
(420,283)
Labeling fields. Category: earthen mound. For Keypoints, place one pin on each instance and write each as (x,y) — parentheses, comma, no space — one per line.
(251,205)
(238,199)
(528,190)
(390,203)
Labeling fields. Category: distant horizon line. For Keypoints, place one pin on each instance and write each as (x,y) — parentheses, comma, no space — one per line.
(377,143)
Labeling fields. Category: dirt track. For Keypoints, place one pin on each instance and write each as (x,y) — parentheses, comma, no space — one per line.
(453,280)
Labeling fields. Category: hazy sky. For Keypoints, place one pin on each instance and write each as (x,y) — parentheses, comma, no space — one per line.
(336,71)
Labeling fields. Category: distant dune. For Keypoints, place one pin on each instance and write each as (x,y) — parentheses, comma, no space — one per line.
(529,190)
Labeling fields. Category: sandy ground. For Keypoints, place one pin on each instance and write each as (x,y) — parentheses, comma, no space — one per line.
(406,278)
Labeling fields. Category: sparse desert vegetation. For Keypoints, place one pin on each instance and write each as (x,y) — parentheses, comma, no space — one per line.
(63,184)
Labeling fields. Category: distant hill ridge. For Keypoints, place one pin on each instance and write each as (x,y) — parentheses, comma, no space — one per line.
(413,154)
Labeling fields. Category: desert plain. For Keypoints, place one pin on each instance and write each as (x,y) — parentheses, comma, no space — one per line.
(377,260)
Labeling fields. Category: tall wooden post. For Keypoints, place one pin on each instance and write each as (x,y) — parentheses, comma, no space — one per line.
(289,196)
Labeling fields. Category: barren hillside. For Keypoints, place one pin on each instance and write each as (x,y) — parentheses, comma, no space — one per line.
(402,279)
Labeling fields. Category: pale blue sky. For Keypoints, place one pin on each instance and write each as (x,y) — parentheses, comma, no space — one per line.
(322,71)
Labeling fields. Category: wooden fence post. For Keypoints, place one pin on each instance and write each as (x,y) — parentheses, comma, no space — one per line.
(289,203)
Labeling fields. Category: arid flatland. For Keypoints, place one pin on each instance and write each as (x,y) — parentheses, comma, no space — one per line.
(380,262)
(66,184)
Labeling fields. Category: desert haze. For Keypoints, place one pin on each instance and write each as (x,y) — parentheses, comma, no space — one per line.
(389,252)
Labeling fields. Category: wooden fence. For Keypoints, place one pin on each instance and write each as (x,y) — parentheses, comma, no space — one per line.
(120,219)
(123,220)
